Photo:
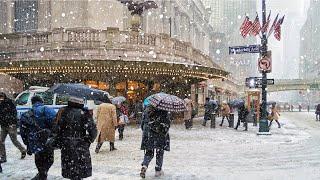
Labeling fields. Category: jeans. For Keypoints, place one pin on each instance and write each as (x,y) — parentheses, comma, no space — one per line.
(12,131)
(245,124)
(277,123)
(227,117)
(44,161)
(148,156)
(121,130)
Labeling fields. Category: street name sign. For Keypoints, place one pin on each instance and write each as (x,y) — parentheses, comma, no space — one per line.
(244,49)
(256,82)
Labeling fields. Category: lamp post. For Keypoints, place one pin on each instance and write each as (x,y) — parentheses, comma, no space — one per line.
(263,123)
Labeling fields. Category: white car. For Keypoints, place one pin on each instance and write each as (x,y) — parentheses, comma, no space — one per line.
(55,101)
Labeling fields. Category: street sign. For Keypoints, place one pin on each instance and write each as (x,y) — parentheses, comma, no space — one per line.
(256,82)
(265,63)
(244,49)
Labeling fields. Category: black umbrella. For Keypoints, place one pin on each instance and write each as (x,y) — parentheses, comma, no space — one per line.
(236,103)
(80,91)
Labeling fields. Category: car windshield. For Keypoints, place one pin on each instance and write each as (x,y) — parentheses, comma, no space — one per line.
(46,96)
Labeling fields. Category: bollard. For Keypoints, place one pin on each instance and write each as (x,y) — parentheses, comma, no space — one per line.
(231,121)
(213,120)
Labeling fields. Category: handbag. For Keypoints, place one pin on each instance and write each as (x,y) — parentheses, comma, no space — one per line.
(123,119)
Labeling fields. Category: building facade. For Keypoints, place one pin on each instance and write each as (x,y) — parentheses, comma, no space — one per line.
(309,45)
(92,41)
(226,18)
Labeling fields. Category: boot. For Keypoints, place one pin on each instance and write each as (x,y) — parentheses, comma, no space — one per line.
(98,147)
(23,154)
(121,137)
(112,148)
(3,160)
(143,172)
(159,173)
(40,177)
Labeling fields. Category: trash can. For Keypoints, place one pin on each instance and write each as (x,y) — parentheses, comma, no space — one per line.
(213,120)
(231,122)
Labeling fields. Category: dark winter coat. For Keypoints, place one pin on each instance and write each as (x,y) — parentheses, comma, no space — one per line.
(318,109)
(29,130)
(209,108)
(150,138)
(8,113)
(243,113)
(75,130)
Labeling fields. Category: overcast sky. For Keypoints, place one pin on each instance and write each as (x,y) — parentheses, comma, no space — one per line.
(285,53)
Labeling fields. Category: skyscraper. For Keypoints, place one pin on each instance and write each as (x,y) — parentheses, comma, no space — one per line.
(226,17)
(309,45)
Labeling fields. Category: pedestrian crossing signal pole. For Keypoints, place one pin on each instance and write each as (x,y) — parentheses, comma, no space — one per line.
(263,123)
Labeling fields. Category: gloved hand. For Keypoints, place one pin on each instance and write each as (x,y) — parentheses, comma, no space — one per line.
(29,152)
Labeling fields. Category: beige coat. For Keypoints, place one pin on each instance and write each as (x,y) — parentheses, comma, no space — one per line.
(188,114)
(275,113)
(106,122)
(225,110)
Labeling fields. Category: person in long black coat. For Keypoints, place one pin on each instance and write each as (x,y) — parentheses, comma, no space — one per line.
(75,130)
(9,124)
(155,138)
(242,117)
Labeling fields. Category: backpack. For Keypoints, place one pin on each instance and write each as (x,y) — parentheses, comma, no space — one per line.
(38,136)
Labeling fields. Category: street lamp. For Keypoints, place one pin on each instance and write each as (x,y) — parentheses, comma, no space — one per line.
(263,123)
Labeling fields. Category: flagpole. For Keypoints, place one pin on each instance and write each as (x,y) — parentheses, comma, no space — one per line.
(263,123)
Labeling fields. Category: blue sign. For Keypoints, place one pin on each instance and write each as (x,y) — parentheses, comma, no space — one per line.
(244,49)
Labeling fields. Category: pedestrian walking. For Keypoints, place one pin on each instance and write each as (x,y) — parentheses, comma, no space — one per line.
(74,131)
(35,128)
(318,112)
(106,125)
(187,115)
(274,115)
(8,123)
(210,107)
(242,117)
(138,111)
(225,112)
(155,138)
(122,115)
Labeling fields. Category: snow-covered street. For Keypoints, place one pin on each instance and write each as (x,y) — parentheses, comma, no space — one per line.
(291,153)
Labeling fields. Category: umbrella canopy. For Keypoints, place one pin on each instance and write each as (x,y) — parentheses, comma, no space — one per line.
(271,103)
(167,102)
(118,100)
(80,91)
(237,103)
(146,101)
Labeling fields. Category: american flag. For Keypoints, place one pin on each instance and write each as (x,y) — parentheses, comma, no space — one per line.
(256,27)
(273,25)
(266,25)
(277,29)
(246,27)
